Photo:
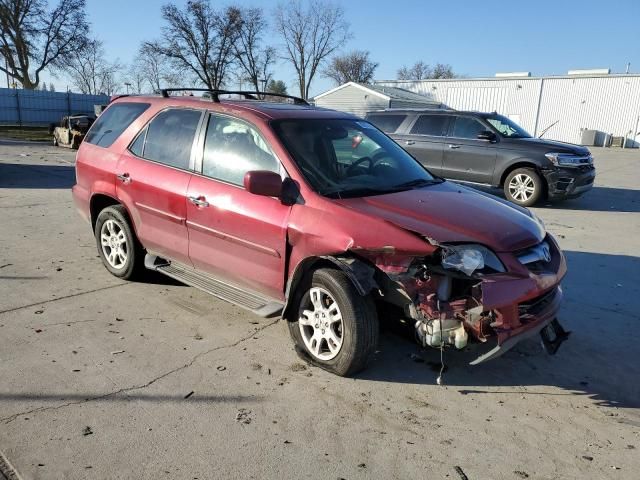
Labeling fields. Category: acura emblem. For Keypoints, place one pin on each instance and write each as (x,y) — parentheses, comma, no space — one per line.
(546,253)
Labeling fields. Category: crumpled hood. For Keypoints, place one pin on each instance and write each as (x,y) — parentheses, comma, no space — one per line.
(448,212)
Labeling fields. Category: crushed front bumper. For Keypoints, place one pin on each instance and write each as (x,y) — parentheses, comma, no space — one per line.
(544,316)
(569,182)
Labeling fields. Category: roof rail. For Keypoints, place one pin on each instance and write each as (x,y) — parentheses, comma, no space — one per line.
(249,95)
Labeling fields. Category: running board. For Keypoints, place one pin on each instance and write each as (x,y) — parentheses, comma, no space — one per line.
(258,304)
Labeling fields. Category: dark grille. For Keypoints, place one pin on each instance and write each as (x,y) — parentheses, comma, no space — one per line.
(536,305)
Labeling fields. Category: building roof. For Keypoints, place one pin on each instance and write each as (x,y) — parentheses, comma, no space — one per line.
(389,93)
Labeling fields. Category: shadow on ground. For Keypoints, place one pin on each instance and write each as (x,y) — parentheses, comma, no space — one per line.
(598,199)
(20,175)
(599,361)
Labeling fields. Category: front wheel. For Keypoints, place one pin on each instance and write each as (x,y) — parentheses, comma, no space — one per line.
(119,249)
(523,187)
(336,328)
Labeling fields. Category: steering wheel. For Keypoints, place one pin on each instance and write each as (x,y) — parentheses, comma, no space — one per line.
(357,163)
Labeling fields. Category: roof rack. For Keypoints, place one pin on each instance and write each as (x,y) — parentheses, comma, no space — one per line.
(215,93)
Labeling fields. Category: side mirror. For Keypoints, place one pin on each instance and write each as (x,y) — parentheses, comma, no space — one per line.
(263,182)
(487,135)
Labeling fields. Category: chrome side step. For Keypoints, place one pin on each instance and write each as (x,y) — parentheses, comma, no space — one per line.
(258,304)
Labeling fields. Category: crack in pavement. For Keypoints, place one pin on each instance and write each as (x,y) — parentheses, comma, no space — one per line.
(44,302)
(11,418)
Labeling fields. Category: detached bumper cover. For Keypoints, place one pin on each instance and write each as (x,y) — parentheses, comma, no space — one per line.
(545,315)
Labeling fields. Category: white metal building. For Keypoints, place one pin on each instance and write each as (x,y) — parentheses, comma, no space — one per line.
(563,106)
(358,98)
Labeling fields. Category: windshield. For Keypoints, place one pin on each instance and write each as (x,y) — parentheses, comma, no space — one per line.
(506,127)
(350,158)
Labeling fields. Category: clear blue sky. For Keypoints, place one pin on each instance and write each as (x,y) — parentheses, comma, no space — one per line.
(478,38)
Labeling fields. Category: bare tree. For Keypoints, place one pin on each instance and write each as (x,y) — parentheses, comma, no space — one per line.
(199,39)
(421,70)
(90,72)
(254,60)
(442,70)
(351,67)
(33,38)
(135,77)
(311,32)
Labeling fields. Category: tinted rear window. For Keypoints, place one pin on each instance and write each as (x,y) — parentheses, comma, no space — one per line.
(170,136)
(113,122)
(435,125)
(387,123)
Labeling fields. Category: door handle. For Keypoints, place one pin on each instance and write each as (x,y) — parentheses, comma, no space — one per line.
(409,142)
(124,178)
(199,201)
(454,146)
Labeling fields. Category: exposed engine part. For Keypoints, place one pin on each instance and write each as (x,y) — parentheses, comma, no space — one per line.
(438,332)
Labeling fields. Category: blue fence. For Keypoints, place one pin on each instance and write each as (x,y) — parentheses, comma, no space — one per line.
(38,108)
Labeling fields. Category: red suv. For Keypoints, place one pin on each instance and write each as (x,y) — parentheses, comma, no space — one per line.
(317,216)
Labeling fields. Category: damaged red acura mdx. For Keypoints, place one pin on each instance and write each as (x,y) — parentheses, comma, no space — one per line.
(317,216)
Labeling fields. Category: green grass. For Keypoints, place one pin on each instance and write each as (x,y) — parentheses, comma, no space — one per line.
(26,133)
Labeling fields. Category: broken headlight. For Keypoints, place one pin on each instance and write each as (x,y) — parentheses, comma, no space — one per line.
(470,258)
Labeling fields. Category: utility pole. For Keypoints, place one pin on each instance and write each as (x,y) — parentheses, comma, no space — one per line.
(6,67)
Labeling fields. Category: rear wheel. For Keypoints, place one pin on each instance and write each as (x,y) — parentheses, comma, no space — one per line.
(524,187)
(336,328)
(55,141)
(119,249)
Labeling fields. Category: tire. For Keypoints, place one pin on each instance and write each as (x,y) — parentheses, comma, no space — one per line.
(55,141)
(122,253)
(357,330)
(524,187)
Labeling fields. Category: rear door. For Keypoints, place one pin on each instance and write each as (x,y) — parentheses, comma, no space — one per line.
(152,180)
(465,156)
(235,234)
(425,140)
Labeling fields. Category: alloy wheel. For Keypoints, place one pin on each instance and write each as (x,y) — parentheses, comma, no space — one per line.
(321,324)
(114,244)
(522,187)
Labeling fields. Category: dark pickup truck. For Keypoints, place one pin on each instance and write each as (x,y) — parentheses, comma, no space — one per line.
(490,149)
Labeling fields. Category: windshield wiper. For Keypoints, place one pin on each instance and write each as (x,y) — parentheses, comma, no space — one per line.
(418,182)
(355,192)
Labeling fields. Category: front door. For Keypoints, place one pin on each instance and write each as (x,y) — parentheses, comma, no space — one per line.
(465,156)
(235,234)
(152,180)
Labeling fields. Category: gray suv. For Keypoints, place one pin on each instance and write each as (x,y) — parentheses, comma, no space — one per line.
(490,149)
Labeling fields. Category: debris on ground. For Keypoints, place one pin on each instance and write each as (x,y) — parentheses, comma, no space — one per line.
(298,367)
(220,368)
(188,394)
(243,416)
(87,431)
(197,336)
(256,366)
(38,312)
(416,358)
(587,457)
(38,330)
(521,474)
(362,465)
(119,319)
(116,352)
(460,473)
